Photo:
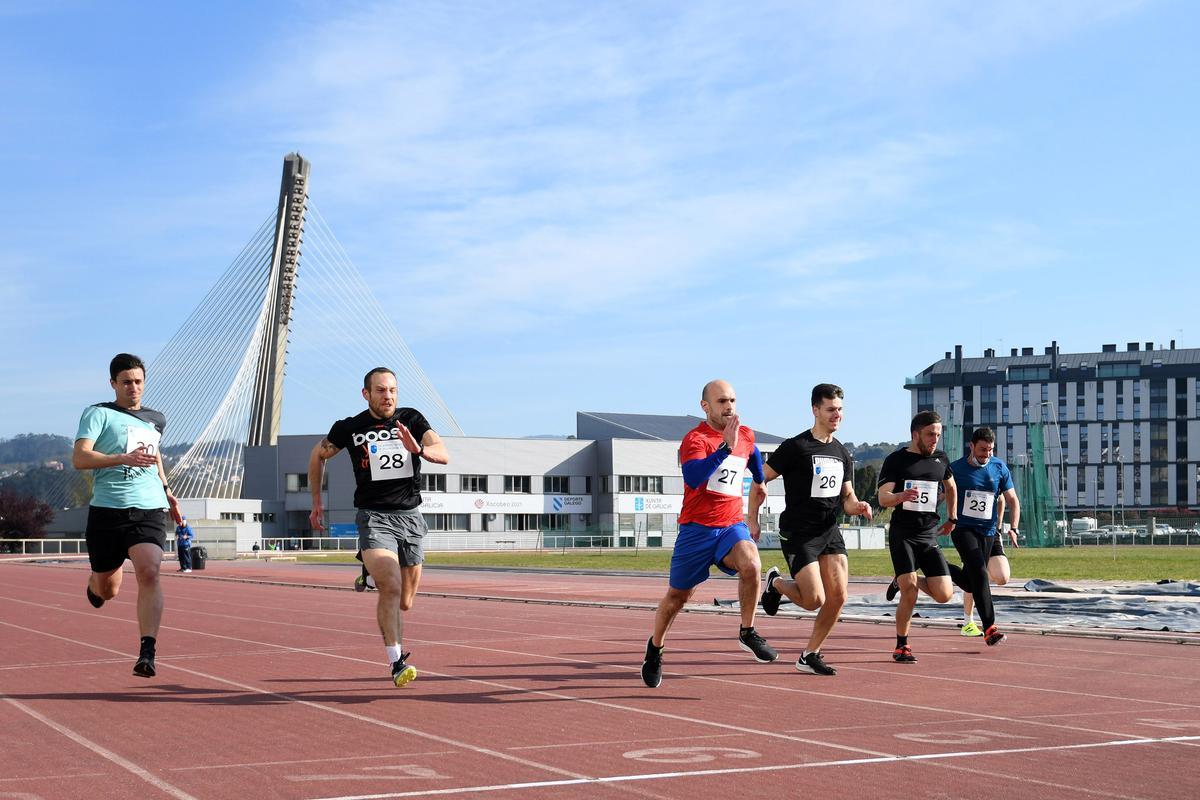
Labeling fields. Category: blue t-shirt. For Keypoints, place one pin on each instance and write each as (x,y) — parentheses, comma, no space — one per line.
(113,430)
(183,536)
(978,488)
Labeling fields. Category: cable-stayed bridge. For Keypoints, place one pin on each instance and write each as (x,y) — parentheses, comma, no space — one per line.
(290,304)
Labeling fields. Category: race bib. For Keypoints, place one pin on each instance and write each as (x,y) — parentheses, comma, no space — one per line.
(727,479)
(827,477)
(927,498)
(136,436)
(978,504)
(389,460)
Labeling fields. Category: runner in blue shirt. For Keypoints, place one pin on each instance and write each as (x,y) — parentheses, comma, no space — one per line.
(131,505)
(982,479)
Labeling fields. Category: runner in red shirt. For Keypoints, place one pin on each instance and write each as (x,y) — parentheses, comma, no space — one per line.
(715,455)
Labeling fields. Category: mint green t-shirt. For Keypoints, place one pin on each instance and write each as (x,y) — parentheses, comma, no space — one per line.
(113,430)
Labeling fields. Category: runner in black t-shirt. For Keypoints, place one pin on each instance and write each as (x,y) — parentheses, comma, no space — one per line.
(912,537)
(818,482)
(386,445)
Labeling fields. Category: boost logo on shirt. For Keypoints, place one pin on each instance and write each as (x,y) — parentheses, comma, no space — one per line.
(375,436)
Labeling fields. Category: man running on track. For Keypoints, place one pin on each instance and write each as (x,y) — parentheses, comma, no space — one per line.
(714,457)
(999,571)
(386,447)
(128,513)
(982,479)
(818,482)
(912,537)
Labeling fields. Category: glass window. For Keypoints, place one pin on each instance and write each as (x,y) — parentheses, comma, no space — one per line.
(475,484)
(641,484)
(556,484)
(448,522)
(521,522)
(518,484)
(431,482)
(555,522)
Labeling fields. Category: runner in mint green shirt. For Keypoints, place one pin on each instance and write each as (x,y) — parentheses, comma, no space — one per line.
(131,504)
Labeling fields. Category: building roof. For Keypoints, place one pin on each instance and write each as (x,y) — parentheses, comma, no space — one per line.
(1164,356)
(661,427)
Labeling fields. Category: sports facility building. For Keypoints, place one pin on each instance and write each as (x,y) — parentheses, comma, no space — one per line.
(1120,428)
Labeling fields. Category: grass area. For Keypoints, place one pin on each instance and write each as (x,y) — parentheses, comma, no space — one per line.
(1128,563)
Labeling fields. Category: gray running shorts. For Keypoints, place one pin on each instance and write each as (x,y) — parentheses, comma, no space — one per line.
(401,532)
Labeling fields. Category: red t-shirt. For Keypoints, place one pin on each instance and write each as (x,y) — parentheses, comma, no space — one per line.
(718,503)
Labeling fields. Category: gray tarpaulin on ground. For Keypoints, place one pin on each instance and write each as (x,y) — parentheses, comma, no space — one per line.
(1166,587)
(1067,607)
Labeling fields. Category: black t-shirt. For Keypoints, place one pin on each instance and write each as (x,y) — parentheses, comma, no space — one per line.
(388,477)
(814,473)
(905,466)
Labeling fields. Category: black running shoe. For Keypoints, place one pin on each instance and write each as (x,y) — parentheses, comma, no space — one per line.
(814,664)
(892,590)
(993,636)
(751,642)
(903,655)
(652,665)
(771,596)
(93,598)
(403,673)
(144,666)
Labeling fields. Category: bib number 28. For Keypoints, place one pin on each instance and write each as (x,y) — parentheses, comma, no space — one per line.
(389,461)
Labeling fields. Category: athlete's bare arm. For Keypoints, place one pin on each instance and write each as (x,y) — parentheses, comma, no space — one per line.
(852,505)
(1010,496)
(951,492)
(435,451)
(322,452)
(85,457)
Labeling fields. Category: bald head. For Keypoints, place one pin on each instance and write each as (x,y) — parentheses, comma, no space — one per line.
(717,385)
(718,402)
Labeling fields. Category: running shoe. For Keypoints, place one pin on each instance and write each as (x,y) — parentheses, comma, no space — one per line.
(971,629)
(751,642)
(93,598)
(814,664)
(903,655)
(771,596)
(892,590)
(363,582)
(652,665)
(402,672)
(994,637)
(144,668)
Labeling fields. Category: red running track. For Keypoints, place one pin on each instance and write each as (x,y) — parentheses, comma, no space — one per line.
(278,691)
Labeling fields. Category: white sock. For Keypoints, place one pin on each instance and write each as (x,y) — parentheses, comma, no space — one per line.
(393,651)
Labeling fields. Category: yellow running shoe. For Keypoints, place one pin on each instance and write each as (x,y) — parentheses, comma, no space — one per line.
(971,629)
(403,673)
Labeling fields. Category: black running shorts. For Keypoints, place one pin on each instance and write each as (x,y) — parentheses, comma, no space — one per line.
(800,549)
(112,531)
(919,551)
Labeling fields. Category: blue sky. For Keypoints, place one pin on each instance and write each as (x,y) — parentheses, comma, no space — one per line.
(600,206)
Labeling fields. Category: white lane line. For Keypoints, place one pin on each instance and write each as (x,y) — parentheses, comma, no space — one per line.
(164,664)
(491,684)
(103,752)
(710,678)
(741,683)
(998,662)
(72,776)
(325,760)
(656,776)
